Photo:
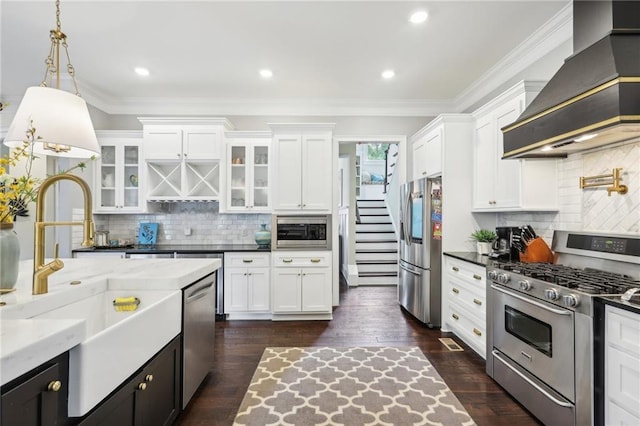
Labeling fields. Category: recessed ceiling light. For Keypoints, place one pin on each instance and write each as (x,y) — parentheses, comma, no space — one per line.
(547,148)
(265,73)
(141,71)
(387,74)
(418,17)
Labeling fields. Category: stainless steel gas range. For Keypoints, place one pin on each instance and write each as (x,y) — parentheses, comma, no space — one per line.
(540,337)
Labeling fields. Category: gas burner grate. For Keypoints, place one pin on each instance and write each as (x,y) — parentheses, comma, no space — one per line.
(589,280)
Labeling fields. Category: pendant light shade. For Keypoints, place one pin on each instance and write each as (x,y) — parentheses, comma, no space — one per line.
(61,120)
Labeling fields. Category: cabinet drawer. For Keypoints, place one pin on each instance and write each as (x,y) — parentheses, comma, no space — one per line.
(473,299)
(246,260)
(623,330)
(302,259)
(466,327)
(469,272)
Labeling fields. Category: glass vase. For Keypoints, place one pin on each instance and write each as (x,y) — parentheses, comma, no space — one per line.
(9,256)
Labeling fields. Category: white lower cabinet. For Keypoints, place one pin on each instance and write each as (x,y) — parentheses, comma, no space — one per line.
(622,367)
(464,302)
(301,283)
(247,285)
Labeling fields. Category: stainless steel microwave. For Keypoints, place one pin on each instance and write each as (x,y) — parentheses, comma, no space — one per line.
(301,232)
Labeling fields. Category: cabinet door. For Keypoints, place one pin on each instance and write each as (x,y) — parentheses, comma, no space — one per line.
(32,403)
(316,172)
(433,154)
(260,197)
(288,173)
(508,179)
(419,153)
(235,290)
(119,409)
(258,289)
(160,400)
(238,178)
(484,171)
(130,175)
(163,144)
(316,290)
(106,196)
(286,290)
(201,144)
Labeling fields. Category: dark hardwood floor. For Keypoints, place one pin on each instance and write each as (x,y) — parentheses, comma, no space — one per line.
(367,316)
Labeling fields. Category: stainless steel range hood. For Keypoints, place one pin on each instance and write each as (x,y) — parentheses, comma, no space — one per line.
(596,91)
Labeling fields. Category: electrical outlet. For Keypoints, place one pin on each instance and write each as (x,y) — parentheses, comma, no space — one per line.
(187,231)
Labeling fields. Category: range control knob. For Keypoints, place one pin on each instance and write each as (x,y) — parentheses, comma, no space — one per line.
(493,274)
(524,285)
(551,294)
(571,300)
(503,278)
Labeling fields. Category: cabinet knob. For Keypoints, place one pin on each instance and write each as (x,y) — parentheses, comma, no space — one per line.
(54,386)
(455,290)
(178,155)
(455,317)
(424,173)
(184,155)
(477,277)
(249,274)
(477,332)
(149,378)
(455,268)
(299,205)
(477,302)
(142,386)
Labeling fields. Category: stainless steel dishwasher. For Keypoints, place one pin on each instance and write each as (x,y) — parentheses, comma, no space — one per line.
(219,306)
(198,332)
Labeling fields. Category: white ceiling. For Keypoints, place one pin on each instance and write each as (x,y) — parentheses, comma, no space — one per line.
(207,54)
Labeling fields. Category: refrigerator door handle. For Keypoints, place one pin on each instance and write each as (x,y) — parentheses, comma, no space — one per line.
(409,270)
(407,236)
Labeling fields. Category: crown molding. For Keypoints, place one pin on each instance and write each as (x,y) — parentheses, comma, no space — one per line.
(551,35)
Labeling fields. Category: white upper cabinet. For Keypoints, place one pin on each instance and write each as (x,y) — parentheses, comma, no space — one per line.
(182,157)
(248,170)
(509,185)
(117,174)
(302,164)
(427,154)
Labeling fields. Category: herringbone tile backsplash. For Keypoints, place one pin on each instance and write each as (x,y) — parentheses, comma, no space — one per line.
(590,208)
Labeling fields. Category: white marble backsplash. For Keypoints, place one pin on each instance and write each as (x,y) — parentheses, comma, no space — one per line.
(206,224)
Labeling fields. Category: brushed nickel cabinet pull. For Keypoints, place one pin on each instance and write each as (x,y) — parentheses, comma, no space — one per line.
(478,332)
(477,302)
(455,268)
(477,277)
(455,317)
(455,290)
(315,260)
(287,260)
(247,260)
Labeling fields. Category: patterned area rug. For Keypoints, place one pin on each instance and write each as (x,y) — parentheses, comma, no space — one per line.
(348,386)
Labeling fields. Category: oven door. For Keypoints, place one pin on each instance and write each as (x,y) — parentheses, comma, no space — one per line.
(537,336)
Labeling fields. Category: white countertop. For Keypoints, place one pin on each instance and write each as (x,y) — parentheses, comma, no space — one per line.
(26,343)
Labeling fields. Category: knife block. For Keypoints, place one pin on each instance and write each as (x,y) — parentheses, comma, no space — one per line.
(537,251)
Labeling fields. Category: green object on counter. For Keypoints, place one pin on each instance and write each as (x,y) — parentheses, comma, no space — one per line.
(263,236)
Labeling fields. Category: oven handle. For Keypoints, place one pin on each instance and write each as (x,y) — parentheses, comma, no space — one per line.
(533,302)
(556,401)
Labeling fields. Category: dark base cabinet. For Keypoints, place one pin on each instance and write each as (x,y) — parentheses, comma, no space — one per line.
(151,397)
(38,397)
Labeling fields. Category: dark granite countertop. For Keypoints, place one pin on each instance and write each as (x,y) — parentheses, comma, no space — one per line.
(632,306)
(469,256)
(178,248)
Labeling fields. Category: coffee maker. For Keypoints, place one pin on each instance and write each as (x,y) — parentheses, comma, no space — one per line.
(501,248)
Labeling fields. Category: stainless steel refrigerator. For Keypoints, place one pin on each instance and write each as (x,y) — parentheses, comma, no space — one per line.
(421,249)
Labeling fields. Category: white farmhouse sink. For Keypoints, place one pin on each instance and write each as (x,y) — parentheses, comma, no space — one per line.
(117,343)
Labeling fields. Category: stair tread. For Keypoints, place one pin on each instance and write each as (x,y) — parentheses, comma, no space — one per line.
(376,241)
(374,232)
(376,250)
(377,274)
(376,262)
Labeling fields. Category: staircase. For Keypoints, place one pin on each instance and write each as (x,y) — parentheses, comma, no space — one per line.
(376,245)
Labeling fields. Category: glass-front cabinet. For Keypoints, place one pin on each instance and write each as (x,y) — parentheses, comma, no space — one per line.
(117,180)
(248,175)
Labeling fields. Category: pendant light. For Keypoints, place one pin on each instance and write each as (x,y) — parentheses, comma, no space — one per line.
(61,119)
